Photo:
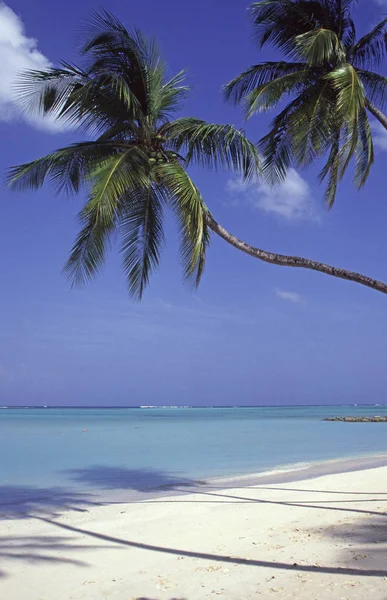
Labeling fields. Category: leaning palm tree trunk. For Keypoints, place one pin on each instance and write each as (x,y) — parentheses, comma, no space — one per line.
(381,117)
(293,261)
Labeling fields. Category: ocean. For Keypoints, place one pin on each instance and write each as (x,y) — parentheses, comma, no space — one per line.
(61,456)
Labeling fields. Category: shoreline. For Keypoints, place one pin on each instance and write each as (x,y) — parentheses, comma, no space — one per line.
(323,538)
(278,475)
(305,471)
(16,500)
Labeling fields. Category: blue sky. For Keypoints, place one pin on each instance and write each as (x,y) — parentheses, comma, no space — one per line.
(253,333)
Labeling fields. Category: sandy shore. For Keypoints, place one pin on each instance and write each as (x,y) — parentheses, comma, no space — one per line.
(317,539)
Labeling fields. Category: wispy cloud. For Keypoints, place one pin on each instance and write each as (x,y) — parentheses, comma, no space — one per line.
(19,53)
(291,199)
(293,297)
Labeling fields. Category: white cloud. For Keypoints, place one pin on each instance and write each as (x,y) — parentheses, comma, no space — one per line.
(18,53)
(290,296)
(379,134)
(290,199)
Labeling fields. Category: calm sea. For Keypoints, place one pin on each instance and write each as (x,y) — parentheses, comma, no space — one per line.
(48,459)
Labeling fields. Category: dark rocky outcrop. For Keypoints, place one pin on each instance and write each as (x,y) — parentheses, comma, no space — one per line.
(375,419)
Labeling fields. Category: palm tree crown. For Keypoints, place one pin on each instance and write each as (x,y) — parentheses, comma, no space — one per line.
(330,84)
(136,164)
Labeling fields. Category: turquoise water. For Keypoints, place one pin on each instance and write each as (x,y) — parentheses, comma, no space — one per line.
(140,449)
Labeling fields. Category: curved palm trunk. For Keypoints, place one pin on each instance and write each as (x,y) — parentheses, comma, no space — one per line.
(381,117)
(293,261)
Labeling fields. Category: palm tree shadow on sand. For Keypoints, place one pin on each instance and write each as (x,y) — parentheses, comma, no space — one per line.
(120,478)
(375,566)
(88,487)
(369,535)
(17,501)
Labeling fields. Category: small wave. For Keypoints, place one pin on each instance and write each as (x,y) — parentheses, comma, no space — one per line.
(287,468)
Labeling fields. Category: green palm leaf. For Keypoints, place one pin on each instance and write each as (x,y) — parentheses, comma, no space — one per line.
(279,22)
(258,75)
(269,94)
(114,49)
(320,46)
(375,86)
(312,124)
(190,210)
(110,182)
(371,48)
(213,145)
(141,236)
(299,134)
(331,170)
(169,96)
(350,91)
(277,146)
(66,168)
(364,151)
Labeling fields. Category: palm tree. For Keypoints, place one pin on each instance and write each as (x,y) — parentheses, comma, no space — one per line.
(136,165)
(330,86)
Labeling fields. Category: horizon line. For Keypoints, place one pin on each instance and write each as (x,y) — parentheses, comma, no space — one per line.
(185,406)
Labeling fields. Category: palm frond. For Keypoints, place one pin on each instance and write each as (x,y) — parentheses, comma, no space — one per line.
(345,145)
(350,91)
(269,94)
(364,151)
(312,124)
(190,210)
(90,102)
(350,103)
(279,21)
(339,19)
(110,181)
(320,46)
(213,145)
(47,91)
(375,86)
(89,250)
(168,96)
(371,48)
(348,33)
(140,233)
(66,168)
(277,145)
(300,133)
(331,170)
(101,103)
(257,75)
(114,49)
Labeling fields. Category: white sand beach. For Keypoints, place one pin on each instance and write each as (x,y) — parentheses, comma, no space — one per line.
(317,539)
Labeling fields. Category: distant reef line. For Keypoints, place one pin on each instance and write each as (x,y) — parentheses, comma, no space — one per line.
(376,419)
